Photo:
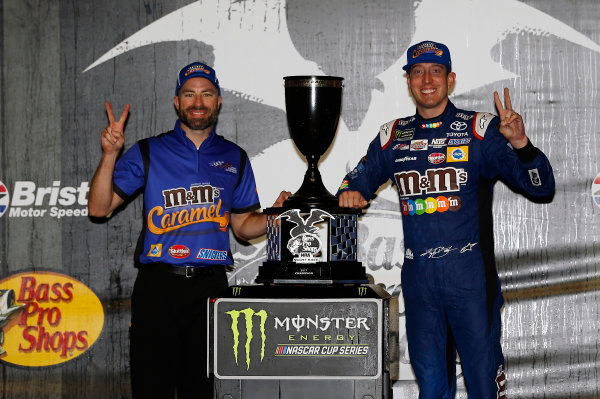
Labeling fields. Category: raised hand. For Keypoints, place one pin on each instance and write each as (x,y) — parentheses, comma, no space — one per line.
(511,123)
(112,136)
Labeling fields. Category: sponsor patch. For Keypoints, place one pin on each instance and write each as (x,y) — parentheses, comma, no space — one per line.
(404,122)
(440,180)
(458,125)
(418,145)
(459,141)
(344,185)
(468,248)
(431,205)
(457,134)
(179,251)
(227,166)
(401,147)
(405,159)
(155,251)
(401,135)
(431,125)
(436,158)
(438,142)
(211,254)
(458,154)
(481,123)
(534,176)
(464,116)
(385,134)
(408,254)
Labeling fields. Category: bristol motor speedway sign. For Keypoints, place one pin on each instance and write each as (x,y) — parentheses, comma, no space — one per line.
(30,200)
(297,338)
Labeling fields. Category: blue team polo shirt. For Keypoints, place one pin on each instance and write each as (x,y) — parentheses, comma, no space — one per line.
(189,195)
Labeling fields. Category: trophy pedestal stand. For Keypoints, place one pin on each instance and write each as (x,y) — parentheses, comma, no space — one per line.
(312,246)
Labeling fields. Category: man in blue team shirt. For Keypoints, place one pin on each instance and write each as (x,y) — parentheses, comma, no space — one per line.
(196,185)
(444,162)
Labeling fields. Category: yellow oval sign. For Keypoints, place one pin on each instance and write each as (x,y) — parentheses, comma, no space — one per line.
(47,318)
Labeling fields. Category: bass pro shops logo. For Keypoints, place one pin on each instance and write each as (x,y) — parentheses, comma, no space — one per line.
(249,317)
(304,243)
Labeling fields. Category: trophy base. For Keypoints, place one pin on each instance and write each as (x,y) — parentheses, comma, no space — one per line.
(319,273)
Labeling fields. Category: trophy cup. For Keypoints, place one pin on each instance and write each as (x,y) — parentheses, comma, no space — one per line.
(311,240)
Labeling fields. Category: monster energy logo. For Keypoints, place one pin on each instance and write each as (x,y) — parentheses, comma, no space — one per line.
(248,313)
(362,291)
(236,290)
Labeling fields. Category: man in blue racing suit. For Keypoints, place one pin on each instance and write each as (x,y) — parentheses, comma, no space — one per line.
(196,186)
(444,162)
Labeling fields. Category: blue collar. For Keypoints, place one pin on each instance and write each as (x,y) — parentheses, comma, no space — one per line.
(449,108)
(183,137)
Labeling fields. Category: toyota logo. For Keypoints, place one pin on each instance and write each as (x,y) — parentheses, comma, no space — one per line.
(456,125)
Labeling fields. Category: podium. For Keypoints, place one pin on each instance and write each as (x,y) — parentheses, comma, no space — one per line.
(293,342)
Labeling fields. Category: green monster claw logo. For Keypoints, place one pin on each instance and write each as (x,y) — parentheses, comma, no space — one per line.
(248,313)
(362,291)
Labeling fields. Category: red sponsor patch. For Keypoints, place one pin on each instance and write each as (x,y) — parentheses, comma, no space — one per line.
(436,157)
(179,251)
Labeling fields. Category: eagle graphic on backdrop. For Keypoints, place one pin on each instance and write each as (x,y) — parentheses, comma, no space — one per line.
(251,30)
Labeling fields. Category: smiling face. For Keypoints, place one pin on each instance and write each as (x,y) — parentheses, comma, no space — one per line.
(429,85)
(197,105)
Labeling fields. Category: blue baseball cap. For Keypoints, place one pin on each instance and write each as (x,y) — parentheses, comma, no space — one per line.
(197,70)
(428,51)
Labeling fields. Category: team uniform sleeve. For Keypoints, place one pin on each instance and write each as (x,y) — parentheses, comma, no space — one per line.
(129,173)
(527,168)
(245,196)
(369,173)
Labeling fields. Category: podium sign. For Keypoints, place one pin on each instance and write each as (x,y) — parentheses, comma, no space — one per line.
(295,338)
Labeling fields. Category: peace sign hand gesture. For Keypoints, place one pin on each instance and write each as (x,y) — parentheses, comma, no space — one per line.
(511,123)
(112,136)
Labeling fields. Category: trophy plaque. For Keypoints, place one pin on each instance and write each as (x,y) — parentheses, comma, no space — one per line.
(311,240)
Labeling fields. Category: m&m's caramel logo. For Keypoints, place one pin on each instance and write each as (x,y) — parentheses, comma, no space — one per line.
(47,318)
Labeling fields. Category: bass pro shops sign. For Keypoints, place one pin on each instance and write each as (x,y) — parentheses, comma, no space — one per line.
(297,338)
(46,318)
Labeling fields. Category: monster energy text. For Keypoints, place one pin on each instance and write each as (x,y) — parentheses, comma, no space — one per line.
(323,323)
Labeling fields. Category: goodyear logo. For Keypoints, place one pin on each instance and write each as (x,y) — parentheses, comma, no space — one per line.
(249,316)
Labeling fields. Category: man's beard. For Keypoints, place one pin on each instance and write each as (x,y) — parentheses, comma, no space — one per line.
(198,123)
